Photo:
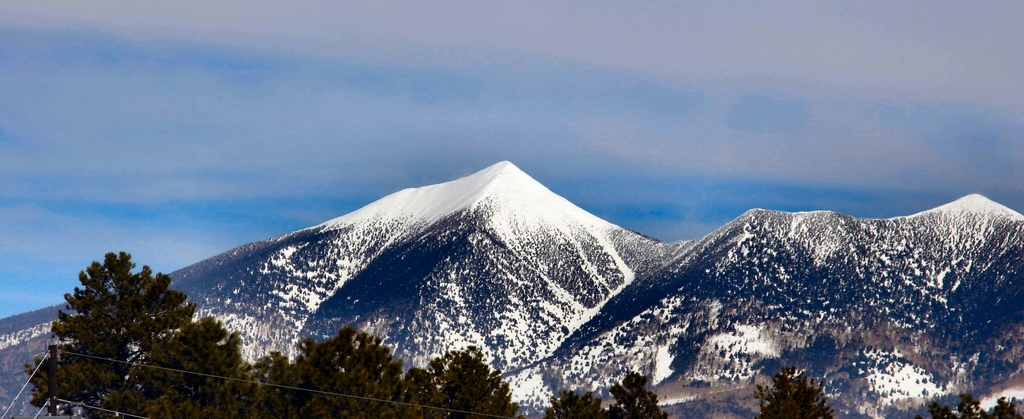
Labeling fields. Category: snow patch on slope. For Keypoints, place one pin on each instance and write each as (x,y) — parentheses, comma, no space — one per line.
(662,365)
(16,338)
(735,353)
(676,400)
(894,378)
(528,388)
(746,339)
(1013,395)
(319,285)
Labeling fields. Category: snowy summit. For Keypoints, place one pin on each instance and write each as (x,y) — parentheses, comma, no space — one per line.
(974,204)
(501,187)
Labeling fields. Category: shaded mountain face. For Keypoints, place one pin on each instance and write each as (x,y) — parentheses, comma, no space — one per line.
(890,313)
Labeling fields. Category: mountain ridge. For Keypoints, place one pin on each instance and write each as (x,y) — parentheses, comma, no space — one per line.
(889,312)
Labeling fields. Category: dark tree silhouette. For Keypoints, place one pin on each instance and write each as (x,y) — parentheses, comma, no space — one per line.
(633,400)
(353,363)
(569,405)
(461,380)
(792,396)
(119,315)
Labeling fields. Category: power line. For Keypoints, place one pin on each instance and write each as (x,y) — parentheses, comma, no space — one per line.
(101,409)
(327,393)
(41,409)
(23,387)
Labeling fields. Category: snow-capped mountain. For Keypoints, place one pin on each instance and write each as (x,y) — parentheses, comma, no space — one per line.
(890,313)
(494,260)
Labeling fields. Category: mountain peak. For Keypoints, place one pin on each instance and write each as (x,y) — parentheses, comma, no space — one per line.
(503,177)
(503,167)
(974,204)
(502,185)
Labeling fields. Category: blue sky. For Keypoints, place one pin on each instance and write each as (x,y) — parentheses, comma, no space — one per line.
(176,131)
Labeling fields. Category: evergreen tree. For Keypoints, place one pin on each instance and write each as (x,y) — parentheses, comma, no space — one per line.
(119,315)
(276,402)
(352,363)
(792,396)
(633,400)
(970,408)
(422,390)
(1005,410)
(569,405)
(204,346)
(461,380)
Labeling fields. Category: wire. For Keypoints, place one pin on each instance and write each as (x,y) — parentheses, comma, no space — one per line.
(23,386)
(101,409)
(41,409)
(328,393)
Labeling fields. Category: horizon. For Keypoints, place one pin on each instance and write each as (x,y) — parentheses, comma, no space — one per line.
(177,132)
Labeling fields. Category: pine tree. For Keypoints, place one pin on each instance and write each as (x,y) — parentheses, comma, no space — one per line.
(792,396)
(353,363)
(119,315)
(1005,410)
(277,402)
(970,408)
(569,405)
(461,380)
(633,400)
(204,346)
(422,390)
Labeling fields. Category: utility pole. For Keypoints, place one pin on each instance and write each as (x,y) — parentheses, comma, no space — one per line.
(53,380)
